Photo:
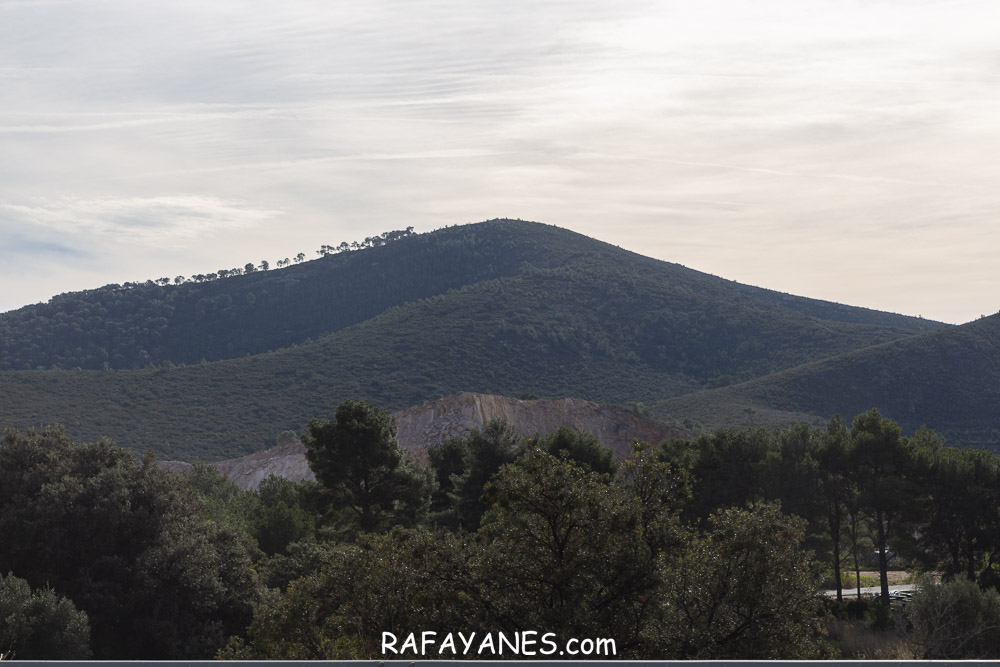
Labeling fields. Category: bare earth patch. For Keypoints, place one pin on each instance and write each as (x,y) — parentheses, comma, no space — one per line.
(894,576)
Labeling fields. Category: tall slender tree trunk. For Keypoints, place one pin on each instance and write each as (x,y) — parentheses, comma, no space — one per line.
(971,556)
(835,534)
(883,561)
(854,552)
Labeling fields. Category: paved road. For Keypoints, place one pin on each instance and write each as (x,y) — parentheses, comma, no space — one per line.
(871,590)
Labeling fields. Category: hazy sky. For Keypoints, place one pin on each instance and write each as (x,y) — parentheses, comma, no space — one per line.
(838,149)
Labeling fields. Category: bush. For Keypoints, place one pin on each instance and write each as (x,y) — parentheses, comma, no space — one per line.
(126,542)
(956,620)
(40,625)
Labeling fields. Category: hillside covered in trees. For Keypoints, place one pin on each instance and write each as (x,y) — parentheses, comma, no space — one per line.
(949,379)
(240,312)
(503,307)
(537,547)
(708,548)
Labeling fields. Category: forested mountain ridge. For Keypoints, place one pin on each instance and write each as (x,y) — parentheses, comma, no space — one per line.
(948,380)
(149,323)
(576,318)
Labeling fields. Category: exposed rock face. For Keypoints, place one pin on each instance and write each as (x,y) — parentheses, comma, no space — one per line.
(287,460)
(456,416)
(431,422)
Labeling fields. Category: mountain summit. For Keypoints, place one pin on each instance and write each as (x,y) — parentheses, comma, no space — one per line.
(215,369)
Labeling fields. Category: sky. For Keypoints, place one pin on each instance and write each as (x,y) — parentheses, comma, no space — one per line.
(835,149)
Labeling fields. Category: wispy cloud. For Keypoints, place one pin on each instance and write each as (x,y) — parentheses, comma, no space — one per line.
(59,122)
(170,220)
(18,245)
(301,121)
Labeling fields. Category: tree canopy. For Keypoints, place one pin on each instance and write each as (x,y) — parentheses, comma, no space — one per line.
(709,549)
(40,625)
(357,458)
(124,541)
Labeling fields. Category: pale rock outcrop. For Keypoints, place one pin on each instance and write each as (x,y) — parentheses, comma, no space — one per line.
(456,416)
(428,423)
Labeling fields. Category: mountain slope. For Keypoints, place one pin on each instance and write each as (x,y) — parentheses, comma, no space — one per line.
(948,380)
(576,317)
(147,323)
(139,324)
(536,333)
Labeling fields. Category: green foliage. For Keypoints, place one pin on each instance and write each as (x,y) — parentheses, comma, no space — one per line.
(134,325)
(728,466)
(359,461)
(661,490)
(745,590)
(392,582)
(450,460)
(40,625)
(496,445)
(962,508)
(493,307)
(581,447)
(945,379)
(300,559)
(222,501)
(274,516)
(837,496)
(568,551)
(861,490)
(562,549)
(125,542)
(283,518)
(297,624)
(553,543)
(956,621)
(883,462)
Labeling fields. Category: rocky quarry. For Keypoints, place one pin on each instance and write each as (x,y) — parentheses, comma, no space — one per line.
(431,422)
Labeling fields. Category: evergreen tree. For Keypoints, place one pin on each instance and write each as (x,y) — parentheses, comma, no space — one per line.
(582,447)
(357,457)
(126,542)
(883,463)
(40,625)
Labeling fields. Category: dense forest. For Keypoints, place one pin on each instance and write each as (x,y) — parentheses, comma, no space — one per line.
(231,313)
(716,547)
(503,307)
(947,378)
(706,549)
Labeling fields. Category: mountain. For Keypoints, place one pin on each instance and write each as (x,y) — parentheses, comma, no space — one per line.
(510,307)
(948,380)
(135,325)
(423,425)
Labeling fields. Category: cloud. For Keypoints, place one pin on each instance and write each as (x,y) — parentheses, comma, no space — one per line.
(164,219)
(83,121)
(708,133)
(18,245)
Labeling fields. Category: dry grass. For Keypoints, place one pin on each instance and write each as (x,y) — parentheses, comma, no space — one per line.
(895,577)
(866,580)
(857,641)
